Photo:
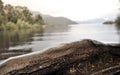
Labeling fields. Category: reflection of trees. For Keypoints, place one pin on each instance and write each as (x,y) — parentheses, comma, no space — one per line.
(56,28)
(118,31)
(118,27)
(15,38)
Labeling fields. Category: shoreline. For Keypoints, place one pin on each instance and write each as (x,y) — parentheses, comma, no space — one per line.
(80,57)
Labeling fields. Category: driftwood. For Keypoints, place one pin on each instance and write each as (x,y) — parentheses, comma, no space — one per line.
(109,71)
(61,60)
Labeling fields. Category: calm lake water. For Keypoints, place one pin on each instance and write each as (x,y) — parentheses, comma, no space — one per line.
(52,36)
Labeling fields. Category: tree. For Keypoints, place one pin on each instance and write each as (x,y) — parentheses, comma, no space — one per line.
(12,15)
(1,5)
(37,19)
(22,13)
(0,19)
(117,21)
(26,14)
(1,8)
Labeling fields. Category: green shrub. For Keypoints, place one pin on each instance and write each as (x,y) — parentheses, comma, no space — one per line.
(2,27)
(10,26)
(23,25)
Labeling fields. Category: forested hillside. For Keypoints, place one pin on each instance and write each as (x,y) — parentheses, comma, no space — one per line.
(57,20)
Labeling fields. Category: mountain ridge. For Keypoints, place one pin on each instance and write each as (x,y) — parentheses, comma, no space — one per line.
(51,20)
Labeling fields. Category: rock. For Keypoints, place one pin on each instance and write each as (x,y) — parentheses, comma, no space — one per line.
(77,58)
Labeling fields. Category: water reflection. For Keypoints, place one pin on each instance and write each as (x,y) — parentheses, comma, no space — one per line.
(56,28)
(118,30)
(15,38)
(25,41)
(14,43)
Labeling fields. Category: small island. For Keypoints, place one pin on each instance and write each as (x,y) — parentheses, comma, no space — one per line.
(108,22)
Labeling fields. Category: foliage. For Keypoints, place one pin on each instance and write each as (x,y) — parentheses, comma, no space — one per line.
(17,17)
(2,27)
(108,22)
(1,7)
(10,26)
(23,25)
(117,21)
(1,19)
(37,19)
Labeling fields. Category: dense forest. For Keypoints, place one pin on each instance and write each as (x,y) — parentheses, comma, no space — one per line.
(17,17)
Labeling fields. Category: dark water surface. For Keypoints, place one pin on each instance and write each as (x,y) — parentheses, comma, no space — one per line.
(52,36)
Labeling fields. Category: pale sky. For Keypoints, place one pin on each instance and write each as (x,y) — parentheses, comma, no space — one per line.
(73,9)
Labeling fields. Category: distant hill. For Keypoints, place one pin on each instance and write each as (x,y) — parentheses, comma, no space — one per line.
(109,17)
(57,20)
(98,20)
(50,20)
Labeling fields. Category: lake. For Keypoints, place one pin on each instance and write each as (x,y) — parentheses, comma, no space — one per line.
(53,36)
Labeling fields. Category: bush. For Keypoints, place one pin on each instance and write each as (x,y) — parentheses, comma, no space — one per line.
(2,27)
(10,26)
(23,25)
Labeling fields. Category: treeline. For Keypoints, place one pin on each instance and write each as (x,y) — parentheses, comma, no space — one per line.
(17,17)
(117,21)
